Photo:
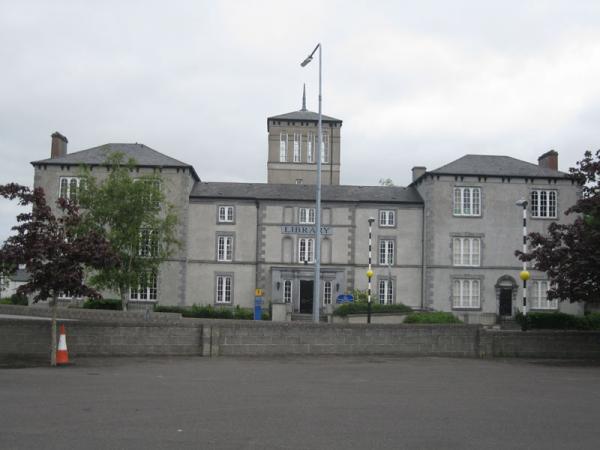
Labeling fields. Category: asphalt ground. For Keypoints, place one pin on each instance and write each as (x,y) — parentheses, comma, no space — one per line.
(301,403)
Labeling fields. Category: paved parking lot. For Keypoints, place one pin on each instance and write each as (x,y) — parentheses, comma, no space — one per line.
(302,403)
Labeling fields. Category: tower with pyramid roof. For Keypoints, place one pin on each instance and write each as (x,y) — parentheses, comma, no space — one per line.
(292,147)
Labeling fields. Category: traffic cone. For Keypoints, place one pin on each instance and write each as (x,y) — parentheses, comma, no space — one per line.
(62,355)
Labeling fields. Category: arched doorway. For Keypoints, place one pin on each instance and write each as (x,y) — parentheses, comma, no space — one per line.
(506,293)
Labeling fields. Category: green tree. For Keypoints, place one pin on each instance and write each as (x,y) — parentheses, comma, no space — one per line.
(570,253)
(386,182)
(131,212)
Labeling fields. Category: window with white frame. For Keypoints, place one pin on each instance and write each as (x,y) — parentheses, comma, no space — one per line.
(539,299)
(306,250)
(224,248)
(283,143)
(147,288)
(327,293)
(69,188)
(386,252)
(223,290)
(287,291)
(297,147)
(306,215)
(543,203)
(148,243)
(467,201)
(310,148)
(324,150)
(465,293)
(386,291)
(387,218)
(466,251)
(226,214)
(153,186)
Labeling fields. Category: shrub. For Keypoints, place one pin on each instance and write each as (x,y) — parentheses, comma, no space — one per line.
(15,299)
(103,303)
(432,317)
(559,321)
(211,312)
(361,307)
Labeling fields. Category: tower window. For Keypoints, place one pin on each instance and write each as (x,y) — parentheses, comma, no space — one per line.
(283,147)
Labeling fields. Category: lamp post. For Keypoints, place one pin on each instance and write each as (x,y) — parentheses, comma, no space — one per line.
(317,285)
(524,275)
(369,272)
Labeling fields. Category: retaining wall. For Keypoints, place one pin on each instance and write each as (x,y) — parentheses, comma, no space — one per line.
(204,337)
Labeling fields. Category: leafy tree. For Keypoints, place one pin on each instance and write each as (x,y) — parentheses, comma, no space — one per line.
(133,216)
(54,250)
(570,254)
(386,182)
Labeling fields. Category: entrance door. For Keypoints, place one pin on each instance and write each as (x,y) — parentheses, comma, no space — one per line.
(306,296)
(505,302)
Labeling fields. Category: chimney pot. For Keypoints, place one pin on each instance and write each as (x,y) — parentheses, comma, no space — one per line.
(59,145)
(549,160)
(418,171)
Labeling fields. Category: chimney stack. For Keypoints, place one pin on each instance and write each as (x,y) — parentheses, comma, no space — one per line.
(549,160)
(418,171)
(59,145)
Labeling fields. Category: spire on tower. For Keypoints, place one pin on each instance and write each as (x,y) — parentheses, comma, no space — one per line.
(303,98)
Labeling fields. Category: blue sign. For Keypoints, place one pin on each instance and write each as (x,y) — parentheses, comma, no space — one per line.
(258,301)
(344,298)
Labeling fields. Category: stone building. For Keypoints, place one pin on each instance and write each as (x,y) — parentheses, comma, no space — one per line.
(444,242)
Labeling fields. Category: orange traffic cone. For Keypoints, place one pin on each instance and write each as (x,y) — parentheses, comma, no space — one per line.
(62,356)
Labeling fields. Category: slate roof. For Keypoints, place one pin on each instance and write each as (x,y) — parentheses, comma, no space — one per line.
(304,115)
(306,192)
(144,156)
(490,165)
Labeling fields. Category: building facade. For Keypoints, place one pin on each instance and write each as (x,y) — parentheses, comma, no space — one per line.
(445,242)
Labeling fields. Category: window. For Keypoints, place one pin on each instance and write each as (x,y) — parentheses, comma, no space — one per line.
(306,247)
(224,283)
(543,203)
(467,201)
(324,150)
(298,180)
(386,292)
(466,251)
(296,147)
(465,293)
(147,288)
(148,243)
(540,296)
(387,218)
(386,252)
(226,214)
(327,293)
(224,248)
(306,215)
(310,148)
(287,291)
(153,185)
(69,187)
(283,147)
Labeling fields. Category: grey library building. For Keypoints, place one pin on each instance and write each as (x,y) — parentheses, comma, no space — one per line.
(444,242)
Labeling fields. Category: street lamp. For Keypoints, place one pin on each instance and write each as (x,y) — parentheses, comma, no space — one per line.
(524,275)
(317,281)
(369,272)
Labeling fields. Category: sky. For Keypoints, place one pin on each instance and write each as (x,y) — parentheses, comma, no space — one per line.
(415,83)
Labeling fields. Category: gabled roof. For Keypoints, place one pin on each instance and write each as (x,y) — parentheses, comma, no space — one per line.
(490,165)
(96,156)
(304,115)
(306,192)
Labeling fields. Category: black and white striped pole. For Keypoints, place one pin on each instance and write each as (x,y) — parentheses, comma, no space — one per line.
(369,272)
(524,275)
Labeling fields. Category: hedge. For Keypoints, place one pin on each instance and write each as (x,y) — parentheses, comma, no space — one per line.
(211,312)
(15,299)
(432,317)
(559,321)
(104,303)
(362,308)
